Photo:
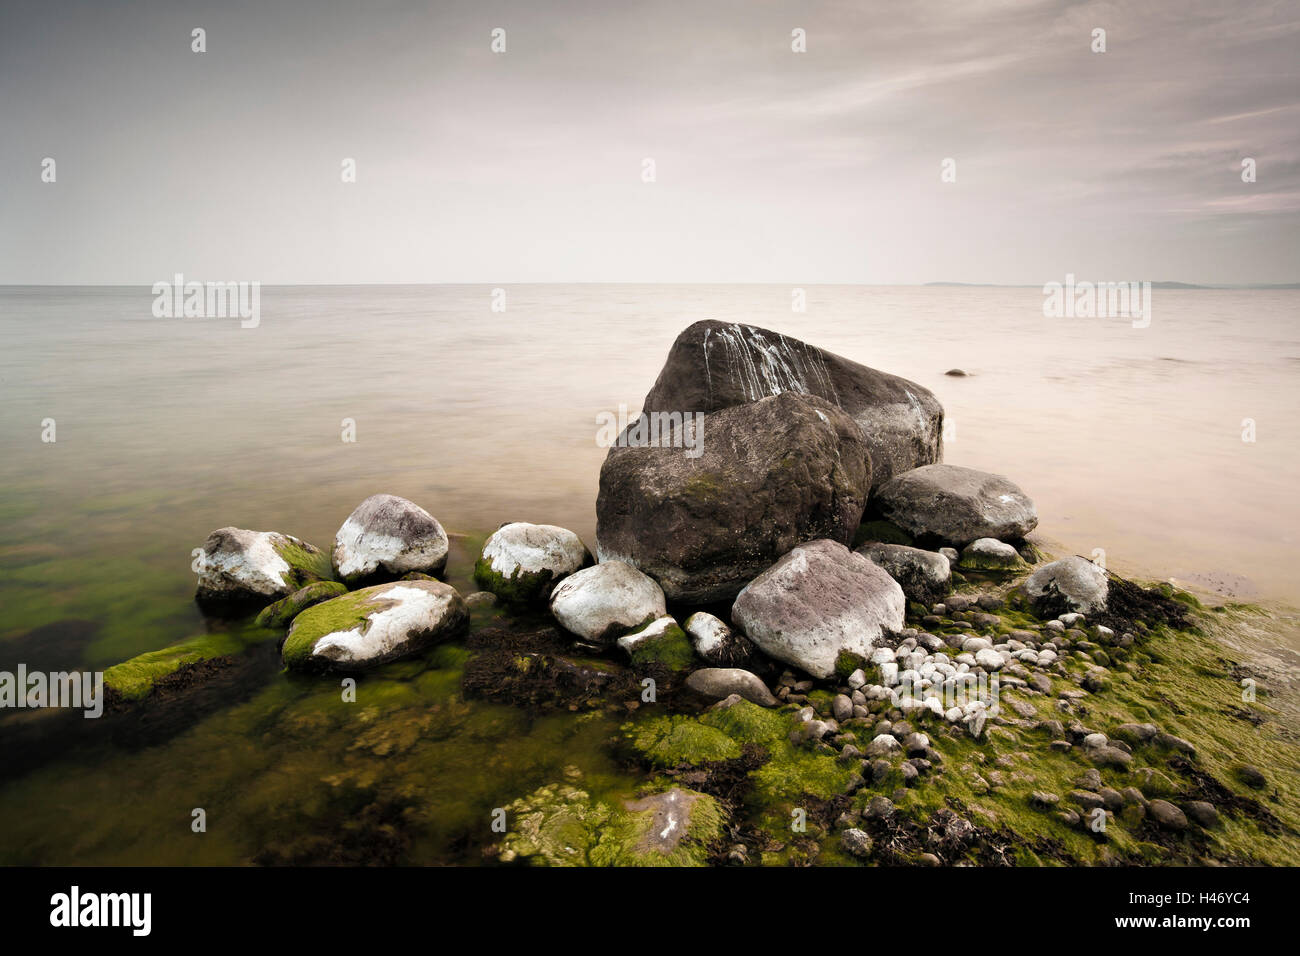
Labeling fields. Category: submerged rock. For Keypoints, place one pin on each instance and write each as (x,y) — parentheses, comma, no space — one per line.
(720,683)
(1071,584)
(374,626)
(714,365)
(241,567)
(924,576)
(769,474)
(390,536)
(521,563)
(954,505)
(603,602)
(561,825)
(717,643)
(817,603)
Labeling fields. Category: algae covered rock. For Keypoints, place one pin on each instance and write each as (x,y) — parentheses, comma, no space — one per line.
(1071,584)
(134,679)
(238,567)
(948,504)
(817,603)
(521,563)
(603,602)
(374,626)
(990,554)
(283,611)
(714,365)
(661,641)
(768,475)
(388,536)
(561,825)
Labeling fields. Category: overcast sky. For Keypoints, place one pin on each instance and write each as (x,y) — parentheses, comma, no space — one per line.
(772,166)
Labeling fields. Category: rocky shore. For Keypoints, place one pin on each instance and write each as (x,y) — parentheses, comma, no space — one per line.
(823,645)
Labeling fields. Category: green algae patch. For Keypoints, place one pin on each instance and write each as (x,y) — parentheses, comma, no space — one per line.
(561,825)
(135,678)
(747,723)
(673,740)
(281,614)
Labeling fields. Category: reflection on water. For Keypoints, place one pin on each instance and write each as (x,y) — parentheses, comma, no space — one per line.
(1129,440)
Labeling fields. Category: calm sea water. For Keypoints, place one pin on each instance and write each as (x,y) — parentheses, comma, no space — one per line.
(1129,440)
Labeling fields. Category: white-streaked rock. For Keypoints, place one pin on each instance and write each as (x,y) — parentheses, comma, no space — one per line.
(526,561)
(239,565)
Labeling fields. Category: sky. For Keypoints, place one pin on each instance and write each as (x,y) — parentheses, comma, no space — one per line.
(769,165)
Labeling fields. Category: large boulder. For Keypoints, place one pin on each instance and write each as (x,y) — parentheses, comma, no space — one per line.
(769,474)
(239,568)
(521,562)
(388,536)
(373,626)
(1071,584)
(924,576)
(605,601)
(714,365)
(817,603)
(948,504)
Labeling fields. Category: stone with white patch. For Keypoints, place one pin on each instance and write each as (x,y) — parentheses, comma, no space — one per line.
(241,567)
(1073,584)
(521,562)
(717,643)
(374,625)
(388,536)
(605,601)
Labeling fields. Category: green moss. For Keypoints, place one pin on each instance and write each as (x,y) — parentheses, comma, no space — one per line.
(281,614)
(747,723)
(521,588)
(672,648)
(306,565)
(671,740)
(846,662)
(135,678)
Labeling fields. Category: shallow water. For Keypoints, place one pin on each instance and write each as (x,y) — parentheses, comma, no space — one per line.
(1129,440)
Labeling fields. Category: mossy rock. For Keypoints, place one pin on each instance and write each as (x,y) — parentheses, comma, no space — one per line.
(748,723)
(280,615)
(560,825)
(669,645)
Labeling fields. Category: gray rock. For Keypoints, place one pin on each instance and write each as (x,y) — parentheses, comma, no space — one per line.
(714,365)
(1251,776)
(989,554)
(1072,582)
(883,745)
(1203,812)
(240,567)
(1166,815)
(769,474)
(924,576)
(388,536)
(955,506)
(856,843)
(842,707)
(721,682)
(603,602)
(819,600)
